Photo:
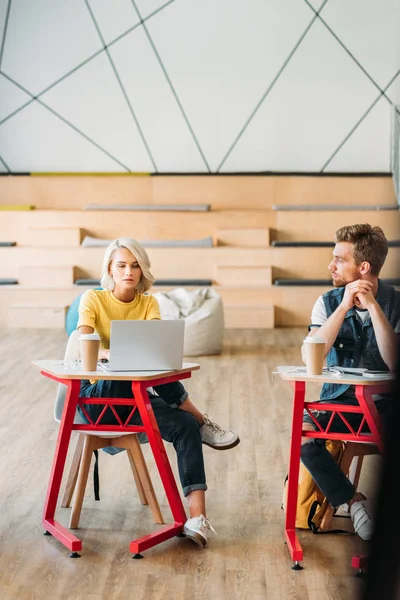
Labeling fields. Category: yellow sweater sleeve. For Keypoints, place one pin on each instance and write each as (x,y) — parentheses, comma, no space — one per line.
(87,310)
(153,312)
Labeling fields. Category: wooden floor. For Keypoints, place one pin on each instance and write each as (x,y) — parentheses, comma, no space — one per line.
(248,557)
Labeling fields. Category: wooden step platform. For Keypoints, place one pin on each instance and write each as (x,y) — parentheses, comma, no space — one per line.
(321,225)
(166,263)
(243,275)
(335,207)
(249,317)
(46,276)
(139,225)
(222,192)
(243,237)
(54,236)
(192,263)
(30,316)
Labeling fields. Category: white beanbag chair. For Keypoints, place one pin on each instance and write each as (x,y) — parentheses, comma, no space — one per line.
(204,318)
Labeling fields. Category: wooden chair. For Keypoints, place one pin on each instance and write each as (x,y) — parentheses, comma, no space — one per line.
(87,442)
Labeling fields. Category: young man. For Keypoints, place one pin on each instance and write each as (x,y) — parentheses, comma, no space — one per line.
(358,320)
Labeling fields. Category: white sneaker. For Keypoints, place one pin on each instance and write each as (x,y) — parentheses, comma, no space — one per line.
(197,529)
(362,522)
(214,436)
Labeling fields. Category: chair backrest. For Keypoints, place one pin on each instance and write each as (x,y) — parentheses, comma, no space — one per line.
(71,354)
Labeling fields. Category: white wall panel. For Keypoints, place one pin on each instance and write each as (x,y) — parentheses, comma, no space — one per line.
(92,100)
(221,56)
(194,101)
(158,113)
(370,30)
(393,92)
(11,97)
(35,139)
(45,39)
(316,3)
(146,7)
(316,101)
(368,149)
(113,17)
(3,11)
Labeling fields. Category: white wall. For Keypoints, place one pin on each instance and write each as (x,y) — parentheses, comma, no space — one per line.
(198,85)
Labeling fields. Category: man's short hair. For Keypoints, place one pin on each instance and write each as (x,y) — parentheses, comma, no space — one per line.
(370,244)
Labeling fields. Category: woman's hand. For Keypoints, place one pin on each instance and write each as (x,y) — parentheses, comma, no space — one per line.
(104,354)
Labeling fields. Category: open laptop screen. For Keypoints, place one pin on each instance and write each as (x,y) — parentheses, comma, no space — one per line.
(146,345)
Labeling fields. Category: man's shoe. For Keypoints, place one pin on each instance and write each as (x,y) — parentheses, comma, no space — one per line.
(214,436)
(362,522)
(197,529)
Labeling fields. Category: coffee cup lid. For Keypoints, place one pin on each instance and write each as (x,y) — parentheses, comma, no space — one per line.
(314,340)
(89,336)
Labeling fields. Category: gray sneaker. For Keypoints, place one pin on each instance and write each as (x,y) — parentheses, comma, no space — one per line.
(197,529)
(214,436)
(362,522)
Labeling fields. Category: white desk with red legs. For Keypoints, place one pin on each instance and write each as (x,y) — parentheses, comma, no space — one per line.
(62,373)
(364,388)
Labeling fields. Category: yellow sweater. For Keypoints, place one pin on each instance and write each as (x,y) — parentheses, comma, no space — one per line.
(98,308)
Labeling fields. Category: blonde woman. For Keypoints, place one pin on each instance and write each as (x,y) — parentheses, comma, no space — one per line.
(125,278)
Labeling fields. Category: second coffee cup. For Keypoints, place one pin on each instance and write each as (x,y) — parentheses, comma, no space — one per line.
(89,347)
(314,349)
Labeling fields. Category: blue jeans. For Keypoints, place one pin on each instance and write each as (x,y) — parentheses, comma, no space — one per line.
(176,426)
(323,468)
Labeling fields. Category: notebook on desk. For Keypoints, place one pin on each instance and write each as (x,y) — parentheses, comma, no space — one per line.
(145,346)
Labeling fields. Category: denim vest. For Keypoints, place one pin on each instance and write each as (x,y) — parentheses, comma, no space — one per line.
(355,345)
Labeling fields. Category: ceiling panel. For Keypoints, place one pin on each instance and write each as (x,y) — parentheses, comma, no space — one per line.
(11,97)
(370,30)
(163,125)
(368,148)
(36,140)
(40,50)
(223,57)
(93,101)
(319,97)
(113,18)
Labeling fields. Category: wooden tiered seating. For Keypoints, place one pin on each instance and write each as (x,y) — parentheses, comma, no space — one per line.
(253,244)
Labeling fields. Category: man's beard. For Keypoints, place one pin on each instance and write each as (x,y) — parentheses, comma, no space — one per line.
(338,282)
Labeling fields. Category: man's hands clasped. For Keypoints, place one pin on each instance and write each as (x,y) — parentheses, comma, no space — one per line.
(359,294)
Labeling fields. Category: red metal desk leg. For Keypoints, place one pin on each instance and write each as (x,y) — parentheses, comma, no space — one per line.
(164,468)
(366,402)
(50,524)
(293,543)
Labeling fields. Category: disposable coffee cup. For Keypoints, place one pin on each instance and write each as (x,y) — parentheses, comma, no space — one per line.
(89,347)
(314,349)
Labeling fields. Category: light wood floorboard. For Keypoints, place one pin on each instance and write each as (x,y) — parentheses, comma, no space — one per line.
(248,557)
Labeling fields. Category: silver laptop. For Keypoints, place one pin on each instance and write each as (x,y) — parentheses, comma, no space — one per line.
(146,346)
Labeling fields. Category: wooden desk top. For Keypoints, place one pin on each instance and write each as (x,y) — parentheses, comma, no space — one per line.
(60,369)
(297,373)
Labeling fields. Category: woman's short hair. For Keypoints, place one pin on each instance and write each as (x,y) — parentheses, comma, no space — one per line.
(370,244)
(146,279)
